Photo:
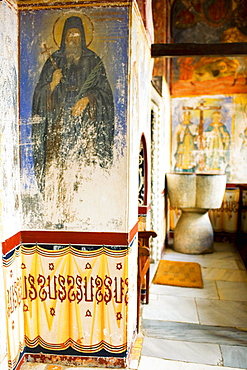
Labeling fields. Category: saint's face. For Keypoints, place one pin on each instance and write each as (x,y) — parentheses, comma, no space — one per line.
(73,37)
(186,119)
(73,47)
(216,118)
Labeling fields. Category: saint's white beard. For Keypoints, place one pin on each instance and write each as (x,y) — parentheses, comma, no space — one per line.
(73,53)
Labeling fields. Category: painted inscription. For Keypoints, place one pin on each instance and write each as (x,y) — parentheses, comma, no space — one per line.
(66,298)
(78,299)
(73,288)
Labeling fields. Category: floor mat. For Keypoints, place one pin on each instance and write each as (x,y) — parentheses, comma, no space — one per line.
(177,273)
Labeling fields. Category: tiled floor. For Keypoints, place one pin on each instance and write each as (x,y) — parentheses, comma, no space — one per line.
(191,328)
(202,329)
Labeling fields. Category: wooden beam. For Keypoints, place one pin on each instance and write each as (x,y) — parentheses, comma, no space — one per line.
(192,49)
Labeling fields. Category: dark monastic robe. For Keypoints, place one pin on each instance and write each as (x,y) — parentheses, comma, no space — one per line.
(56,134)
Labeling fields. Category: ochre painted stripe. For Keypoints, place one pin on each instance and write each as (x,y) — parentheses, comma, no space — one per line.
(32,5)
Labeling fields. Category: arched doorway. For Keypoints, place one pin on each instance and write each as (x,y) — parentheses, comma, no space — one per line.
(142,185)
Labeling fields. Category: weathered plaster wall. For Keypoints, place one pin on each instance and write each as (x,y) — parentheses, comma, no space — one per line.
(9,174)
(160,162)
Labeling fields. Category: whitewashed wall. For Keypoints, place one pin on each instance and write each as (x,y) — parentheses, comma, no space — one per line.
(10,176)
(7,122)
(140,69)
(10,205)
(143,99)
(160,158)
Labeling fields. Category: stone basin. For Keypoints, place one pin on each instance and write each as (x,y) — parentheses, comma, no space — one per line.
(195,194)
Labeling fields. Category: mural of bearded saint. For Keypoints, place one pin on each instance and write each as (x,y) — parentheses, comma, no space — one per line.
(73,114)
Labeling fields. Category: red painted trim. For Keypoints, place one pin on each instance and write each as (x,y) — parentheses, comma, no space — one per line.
(21,362)
(69,237)
(231,185)
(143,210)
(11,243)
(73,237)
(132,233)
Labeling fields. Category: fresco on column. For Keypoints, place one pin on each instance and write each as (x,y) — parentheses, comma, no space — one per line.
(73,109)
(73,112)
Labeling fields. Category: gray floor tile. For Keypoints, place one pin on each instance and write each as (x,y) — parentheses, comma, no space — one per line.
(226,255)
(172,255)
(224,264)
(241,265)
(234,356)
(232,291)
(202,353)
(209,290)
(223,274)
(169,308)
(148,363)
(194,332)
(172,329)
(224,247)
(222,313)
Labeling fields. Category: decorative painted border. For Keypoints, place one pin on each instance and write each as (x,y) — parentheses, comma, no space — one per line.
(20,360)
(98,353)
(69,238)
(33,5)
(70,346)
(96,361)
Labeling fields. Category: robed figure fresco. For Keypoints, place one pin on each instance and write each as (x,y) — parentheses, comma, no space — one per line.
(217,142)
(185,141)
(73,110)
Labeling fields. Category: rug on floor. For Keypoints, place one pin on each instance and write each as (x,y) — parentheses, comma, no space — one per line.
(177,273)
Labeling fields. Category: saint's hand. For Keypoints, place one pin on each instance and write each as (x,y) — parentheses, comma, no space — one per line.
(56,78)
(79,107)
